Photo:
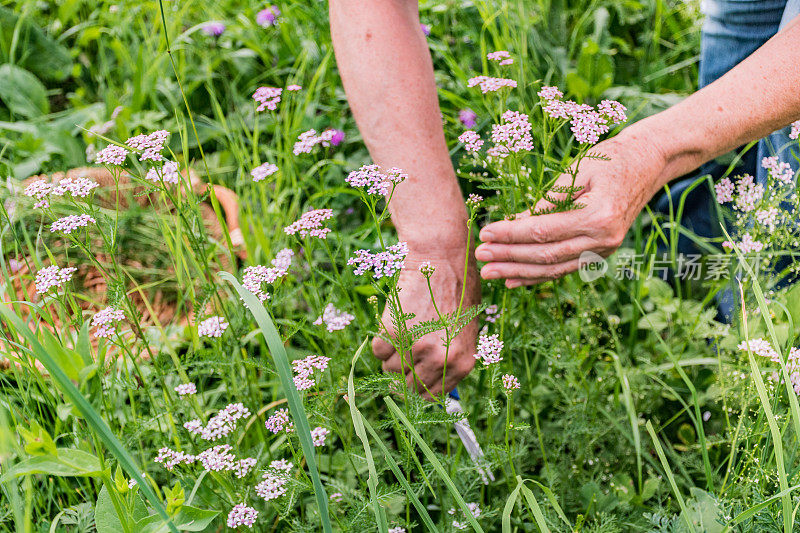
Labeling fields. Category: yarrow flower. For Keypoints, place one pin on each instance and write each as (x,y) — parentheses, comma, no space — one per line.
(510,382)
(474,510)
(273,486)
(42,189)
(397,529)
(104,321)
(217,458)
(151,145)
(310,224)
(318,436)
(242,515)
(748,193)
(186,389)
(279,421)
(471,140)
(371,178)
(489,348)
(587,126)
(474,200)
(427,269)
(214,28)
(282,465)
(331,137)
(502,56)
(724,190)
(549,93)
(761,348)
(268,17)
(221,424)
(383,264)
(489,84)
(564,110)
(305,369)
(255,276)
(767,217)
(468,118)
(794,133)
(70,223)
(168,172)
(213,326)
(747,245)
(513,135)
(242,467)
(52,277)
(268,98)
(111,155)
(169,458)
(294,87)
(492,312)
(262,171)
(336,497)
(612,109)
(306,142)
(334,319)
(779,170)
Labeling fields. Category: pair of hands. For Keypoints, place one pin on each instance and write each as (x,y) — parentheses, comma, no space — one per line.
(524,251)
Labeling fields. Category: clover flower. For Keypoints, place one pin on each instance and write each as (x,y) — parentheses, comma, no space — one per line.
(279,421)
(214,28)
(255,276)
(502,56)
(724,190)
(52,277)
(510,382)
(310,224)
(169,458)
(242,515)
(471,140)
(186,389)
(474,510)
(213,326)
(549,93)
(318,436)
(371,178)
(489,348)
(305,368)
(513,135)
(268,98)
(151,145)
(383,264)
(334,319)
(221,424)
(111,155)
(70,223)
(268,17)
(749,193)
(489,84)
(168,172)
(104,321)
(468,118)
(779,170)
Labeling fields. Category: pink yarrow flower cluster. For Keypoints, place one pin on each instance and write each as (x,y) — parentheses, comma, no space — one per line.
(471,140)
(375,181)
(274,480)
(747,245)
(70,223)
(168,173)
(501,56)
(105,321)
(489,348)
(748,193)
(779,170)
(151,145)
(221,424)
(310,224)
(492,312)
(489,84)
(255,276)
(307,140)
(111,155)
(267,98)
(550,93)
(474,510)
(169,458)
(213,326)
(261,172)
(383,264)
(52,277)
(280,421)
(586,123)
(41,190)
(794,132)
(763,348)
(513,135)
(334,319)
(305,369)
(186,389)
(318,436)
(510,382)
(242,515)
(724,190)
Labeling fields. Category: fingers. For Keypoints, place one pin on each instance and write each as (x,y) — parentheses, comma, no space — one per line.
(536,229)
(530,272)
(382,349)
(542,254)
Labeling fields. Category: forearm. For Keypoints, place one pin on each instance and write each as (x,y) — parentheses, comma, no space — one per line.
(387,74)
(755,98)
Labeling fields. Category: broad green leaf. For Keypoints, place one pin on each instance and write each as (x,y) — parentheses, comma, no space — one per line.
(36,51)
(68,462)
(22,92)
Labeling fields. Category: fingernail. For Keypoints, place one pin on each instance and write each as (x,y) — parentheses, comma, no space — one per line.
(487,236)
(513,284)
(483,254)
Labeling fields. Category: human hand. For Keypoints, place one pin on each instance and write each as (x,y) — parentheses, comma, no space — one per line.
(534,249)
(430,357)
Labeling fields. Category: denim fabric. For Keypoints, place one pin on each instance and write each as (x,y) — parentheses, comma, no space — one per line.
(732,30)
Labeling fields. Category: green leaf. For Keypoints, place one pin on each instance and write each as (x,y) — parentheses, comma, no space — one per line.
(187,519)
(36,51)
(22,92)
(105,516)
(68,462)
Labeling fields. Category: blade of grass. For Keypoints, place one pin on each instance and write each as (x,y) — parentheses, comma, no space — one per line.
(437,465)
(670,476)
(92,417)
(358,425)
(281,360)
(508,507)
(632,416)
(530,499)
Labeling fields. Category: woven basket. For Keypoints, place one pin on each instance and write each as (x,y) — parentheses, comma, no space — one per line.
(160,309)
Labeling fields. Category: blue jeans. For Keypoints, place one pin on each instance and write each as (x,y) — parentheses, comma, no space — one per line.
(732,30)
